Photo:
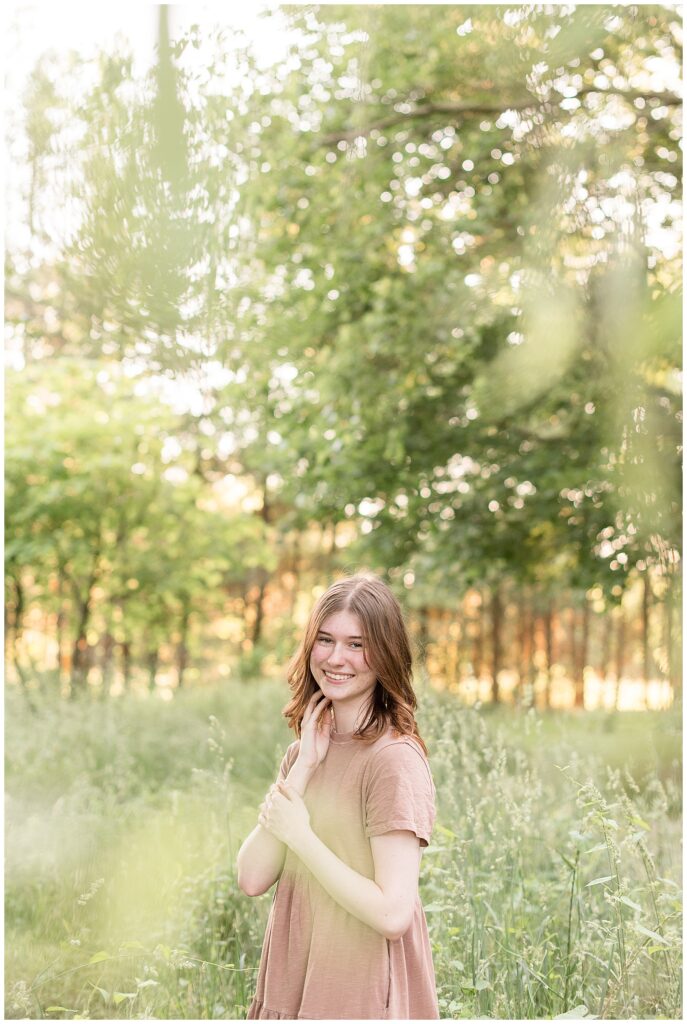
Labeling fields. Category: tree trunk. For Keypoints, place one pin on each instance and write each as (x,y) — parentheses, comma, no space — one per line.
(61,628)
(606,637)
(259,613)
(296,569)
(107,663)
(80,649)
(265,515)
(126,664)
(478,646)
(573,648)
(549,615)
(673,640)
(423,633)
(9,643)
(496,641)
(14,631)
(581,657)
(17,628)
(524,633)
(619,655)
(152,661)
(646,646)
(182,649)
(457,645)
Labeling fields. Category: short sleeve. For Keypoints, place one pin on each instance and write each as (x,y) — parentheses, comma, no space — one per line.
(288,760)
(399,792)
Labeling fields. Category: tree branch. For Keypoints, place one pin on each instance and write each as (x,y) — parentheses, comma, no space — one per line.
(469,109)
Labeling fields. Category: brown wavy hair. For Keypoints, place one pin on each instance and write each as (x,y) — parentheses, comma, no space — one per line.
(387,652)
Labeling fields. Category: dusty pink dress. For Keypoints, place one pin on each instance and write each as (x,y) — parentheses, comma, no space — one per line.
(318,961)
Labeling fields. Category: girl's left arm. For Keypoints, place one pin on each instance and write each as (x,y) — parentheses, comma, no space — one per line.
(385,903)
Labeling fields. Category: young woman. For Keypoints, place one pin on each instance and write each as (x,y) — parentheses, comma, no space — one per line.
(343,826)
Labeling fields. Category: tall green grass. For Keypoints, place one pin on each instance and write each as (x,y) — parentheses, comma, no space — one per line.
(552,883)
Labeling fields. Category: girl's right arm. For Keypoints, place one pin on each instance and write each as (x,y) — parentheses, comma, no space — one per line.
(261,858)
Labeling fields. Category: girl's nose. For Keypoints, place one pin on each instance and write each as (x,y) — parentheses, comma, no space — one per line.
(336,657)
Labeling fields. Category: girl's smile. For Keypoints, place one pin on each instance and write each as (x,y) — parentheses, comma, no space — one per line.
(340,668)
(337,678)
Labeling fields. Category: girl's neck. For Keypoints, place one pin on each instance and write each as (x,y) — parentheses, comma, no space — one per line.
(347,720)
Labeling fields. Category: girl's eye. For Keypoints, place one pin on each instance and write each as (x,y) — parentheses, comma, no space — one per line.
(327,640)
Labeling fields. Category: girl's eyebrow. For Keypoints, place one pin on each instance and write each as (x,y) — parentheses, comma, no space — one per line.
(325,633)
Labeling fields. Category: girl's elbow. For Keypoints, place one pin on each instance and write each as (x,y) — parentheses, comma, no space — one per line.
(395,928)
(245,887)
(251,891)
(250,887)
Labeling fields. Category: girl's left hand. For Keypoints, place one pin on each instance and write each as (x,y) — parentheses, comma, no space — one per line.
(284,814)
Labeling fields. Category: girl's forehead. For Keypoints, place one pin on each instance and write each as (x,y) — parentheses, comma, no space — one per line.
(342,623)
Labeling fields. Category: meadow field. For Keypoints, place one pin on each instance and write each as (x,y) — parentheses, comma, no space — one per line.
(552,885)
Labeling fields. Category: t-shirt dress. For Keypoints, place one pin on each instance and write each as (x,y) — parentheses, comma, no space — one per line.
(318,961)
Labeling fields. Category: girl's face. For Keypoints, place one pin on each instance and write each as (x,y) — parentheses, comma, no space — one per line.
(338,660)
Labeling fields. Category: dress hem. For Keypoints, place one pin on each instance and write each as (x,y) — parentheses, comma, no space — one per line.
(258,1011)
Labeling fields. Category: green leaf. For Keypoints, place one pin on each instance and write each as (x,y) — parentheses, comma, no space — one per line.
(119,997)
(652,935)
(599,881)
(99,956)
(629,903)
(576,1013)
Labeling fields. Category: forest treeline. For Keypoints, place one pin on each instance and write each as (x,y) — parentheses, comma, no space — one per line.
(407,297)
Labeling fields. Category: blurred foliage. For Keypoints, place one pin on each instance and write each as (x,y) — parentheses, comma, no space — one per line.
(110,524)
(422,272)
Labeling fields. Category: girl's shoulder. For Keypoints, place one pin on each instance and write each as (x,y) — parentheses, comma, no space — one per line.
(290,755)
(395,743)
(398,756)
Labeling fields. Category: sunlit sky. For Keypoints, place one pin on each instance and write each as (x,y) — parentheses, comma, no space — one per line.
(32,28)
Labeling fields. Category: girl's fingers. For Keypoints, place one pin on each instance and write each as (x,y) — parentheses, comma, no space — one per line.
(319,711)
(311,707)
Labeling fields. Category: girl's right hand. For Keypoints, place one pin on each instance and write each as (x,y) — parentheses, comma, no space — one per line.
(316,726)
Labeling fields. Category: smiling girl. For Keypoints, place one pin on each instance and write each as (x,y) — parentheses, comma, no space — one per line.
(343,826)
